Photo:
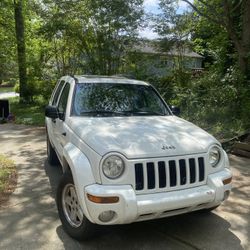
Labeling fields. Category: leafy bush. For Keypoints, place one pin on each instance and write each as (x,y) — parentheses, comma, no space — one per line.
(39,90)
(220,103)
(17,88)
(215,102)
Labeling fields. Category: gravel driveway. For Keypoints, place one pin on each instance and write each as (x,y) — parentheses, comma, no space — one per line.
(30,221)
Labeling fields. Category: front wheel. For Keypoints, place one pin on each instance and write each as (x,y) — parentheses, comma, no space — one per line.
(73,220)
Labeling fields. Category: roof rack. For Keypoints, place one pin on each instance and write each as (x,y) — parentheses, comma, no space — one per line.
(128,76)
(119,76)
(102,76)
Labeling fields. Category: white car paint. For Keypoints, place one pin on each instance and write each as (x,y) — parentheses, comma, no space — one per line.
(141,137)
(137,140)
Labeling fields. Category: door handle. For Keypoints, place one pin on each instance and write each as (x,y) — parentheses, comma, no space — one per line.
(54,120)
(64,133)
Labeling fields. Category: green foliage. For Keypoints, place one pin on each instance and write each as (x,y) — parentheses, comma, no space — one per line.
(219,99)
(28,114)
(214,102)
(8,68)
(17,88)
(94,35)
(6,89)
(67,37)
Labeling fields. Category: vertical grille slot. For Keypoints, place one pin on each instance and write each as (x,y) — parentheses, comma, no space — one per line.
(183,172)
(162,174)
(151,175)
(192,170)
(201,169)
(172,173)
(139,183)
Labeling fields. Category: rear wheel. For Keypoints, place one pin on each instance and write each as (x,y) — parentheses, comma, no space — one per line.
(73,220)
(52,157)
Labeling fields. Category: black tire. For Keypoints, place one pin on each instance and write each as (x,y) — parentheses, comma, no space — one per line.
(52,157)
(78,228)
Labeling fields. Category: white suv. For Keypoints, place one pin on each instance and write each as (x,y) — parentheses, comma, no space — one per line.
(126,157)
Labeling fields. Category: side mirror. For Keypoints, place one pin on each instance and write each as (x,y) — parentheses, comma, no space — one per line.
(175,110)
(51,112)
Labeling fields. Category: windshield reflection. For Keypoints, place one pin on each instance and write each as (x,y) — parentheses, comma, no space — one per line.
(113,99)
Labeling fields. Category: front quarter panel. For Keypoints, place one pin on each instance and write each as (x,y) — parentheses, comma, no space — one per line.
(81,172)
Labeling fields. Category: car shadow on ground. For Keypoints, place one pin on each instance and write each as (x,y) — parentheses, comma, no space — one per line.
(189,231)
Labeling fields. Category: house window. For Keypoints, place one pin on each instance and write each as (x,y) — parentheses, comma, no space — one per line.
(166,62)
(162,61)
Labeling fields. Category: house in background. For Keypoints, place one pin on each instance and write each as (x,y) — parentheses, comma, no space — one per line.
(149,59)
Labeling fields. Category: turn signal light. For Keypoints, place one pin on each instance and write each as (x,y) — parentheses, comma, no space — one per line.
(227,181)
(103,200)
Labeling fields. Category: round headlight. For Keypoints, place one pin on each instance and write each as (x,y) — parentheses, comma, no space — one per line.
(214,156)
(113,166)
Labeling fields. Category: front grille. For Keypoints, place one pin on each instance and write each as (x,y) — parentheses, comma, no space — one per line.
(169,174)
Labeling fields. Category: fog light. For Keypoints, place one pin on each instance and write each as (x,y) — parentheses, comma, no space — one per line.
(107,216)
(226,194)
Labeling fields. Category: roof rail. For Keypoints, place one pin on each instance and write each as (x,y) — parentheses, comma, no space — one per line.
(128,76)
(120,76)
(102,76)
(74,77)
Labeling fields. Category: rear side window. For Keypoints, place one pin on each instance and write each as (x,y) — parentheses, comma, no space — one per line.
(62,105)
(57,93)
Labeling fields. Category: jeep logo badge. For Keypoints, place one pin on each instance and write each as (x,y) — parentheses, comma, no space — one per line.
(166,147)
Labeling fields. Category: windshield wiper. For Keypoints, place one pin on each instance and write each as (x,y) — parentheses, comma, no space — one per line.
(120,113)
(147,113)
(103,113)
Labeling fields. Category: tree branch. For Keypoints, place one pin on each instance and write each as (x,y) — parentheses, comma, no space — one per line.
(213,18)
(236,6)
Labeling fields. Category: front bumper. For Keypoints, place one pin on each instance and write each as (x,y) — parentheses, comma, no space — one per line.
(132,207)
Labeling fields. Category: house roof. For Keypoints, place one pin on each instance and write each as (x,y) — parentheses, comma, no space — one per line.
(152,49)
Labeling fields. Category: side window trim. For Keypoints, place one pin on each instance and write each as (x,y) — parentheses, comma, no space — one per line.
(66,85)
(54,91)
(57,93)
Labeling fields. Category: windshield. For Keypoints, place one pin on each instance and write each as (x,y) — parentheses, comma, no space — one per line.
(113,99)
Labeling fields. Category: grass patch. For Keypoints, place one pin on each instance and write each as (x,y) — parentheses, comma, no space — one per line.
(6,89)
(7,177)
(27,114)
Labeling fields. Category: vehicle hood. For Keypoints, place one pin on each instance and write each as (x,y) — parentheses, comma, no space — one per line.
(141,137)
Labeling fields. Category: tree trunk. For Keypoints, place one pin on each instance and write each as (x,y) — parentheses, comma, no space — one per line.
(21,55)
(244,60)
(241,40)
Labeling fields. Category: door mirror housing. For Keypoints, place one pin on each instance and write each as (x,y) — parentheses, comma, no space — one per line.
(175,110)
(51,112)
